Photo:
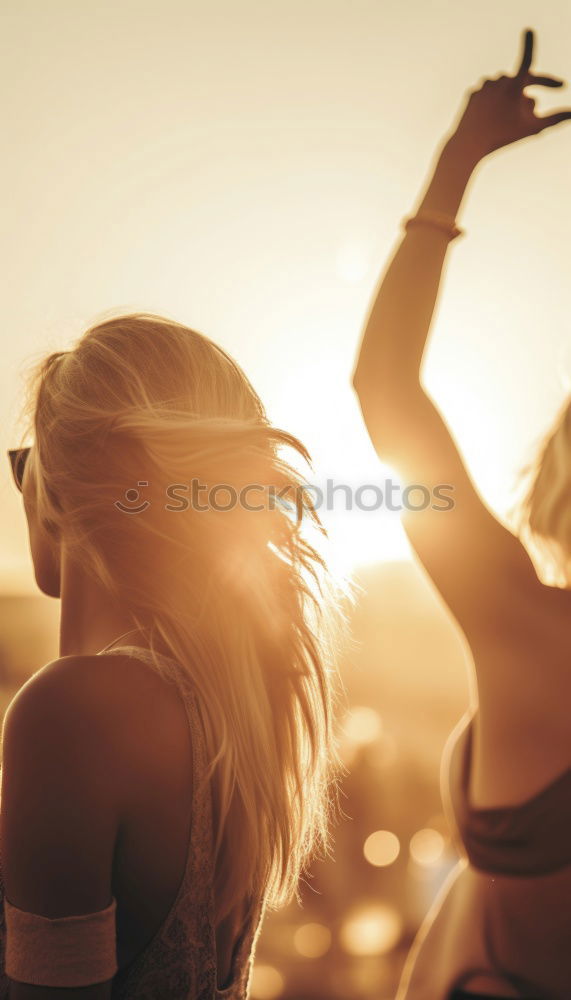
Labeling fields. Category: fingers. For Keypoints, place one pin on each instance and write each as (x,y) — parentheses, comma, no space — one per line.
(543,81)
(523,77)
(547,121)
(527,56)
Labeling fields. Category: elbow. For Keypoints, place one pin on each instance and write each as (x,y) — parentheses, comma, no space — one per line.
(363,385)
(387,393)
(358,376)
(357,387)
(379,398)
(382,420)
(397,387)
(390,412)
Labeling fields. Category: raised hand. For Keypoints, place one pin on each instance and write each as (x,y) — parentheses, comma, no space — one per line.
(499,112)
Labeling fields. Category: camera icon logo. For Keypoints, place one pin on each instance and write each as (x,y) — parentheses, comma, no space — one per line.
(132,497)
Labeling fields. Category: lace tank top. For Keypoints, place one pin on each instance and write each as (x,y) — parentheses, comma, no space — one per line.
(180,961)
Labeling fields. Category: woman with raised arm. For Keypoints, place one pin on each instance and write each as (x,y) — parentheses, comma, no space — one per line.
(166,777)
(502,925)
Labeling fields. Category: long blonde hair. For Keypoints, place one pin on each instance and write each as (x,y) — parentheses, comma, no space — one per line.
(241,598)
(544,516)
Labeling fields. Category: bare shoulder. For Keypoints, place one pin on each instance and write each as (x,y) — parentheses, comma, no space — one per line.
(79,679)
(535,628)
(88,701)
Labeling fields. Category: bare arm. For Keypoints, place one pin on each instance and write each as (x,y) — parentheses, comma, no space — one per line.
(480,568)
(60,817)
(396,332)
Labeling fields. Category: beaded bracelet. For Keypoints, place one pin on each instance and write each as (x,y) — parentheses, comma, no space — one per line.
(436,219)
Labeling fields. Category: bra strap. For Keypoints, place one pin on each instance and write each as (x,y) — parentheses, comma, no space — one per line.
(118,639)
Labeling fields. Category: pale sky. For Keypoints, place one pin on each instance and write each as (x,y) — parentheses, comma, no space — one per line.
(243,166)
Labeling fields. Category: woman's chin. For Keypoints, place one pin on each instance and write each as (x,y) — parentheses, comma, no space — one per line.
(48,581)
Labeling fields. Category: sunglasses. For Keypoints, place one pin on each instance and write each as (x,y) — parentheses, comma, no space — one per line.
(18,458)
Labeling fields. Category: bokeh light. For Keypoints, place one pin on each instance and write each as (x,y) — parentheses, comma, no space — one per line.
(312,940)
(371,930)
(427,847)
(381,848)
(267,983)
(362,725)
(276,207)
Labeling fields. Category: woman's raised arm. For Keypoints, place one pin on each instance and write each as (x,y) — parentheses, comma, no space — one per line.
(479,567)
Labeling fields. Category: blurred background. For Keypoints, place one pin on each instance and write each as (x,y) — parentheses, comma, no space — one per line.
(243,166)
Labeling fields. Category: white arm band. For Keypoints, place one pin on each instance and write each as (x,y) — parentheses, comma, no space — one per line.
(61,951)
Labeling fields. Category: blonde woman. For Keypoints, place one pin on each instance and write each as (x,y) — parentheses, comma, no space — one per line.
(166,778)
(502,926)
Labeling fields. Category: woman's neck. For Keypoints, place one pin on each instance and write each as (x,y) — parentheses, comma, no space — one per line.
(91,618)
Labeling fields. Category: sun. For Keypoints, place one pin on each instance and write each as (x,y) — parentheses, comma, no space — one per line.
(361,538)
(356,508)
